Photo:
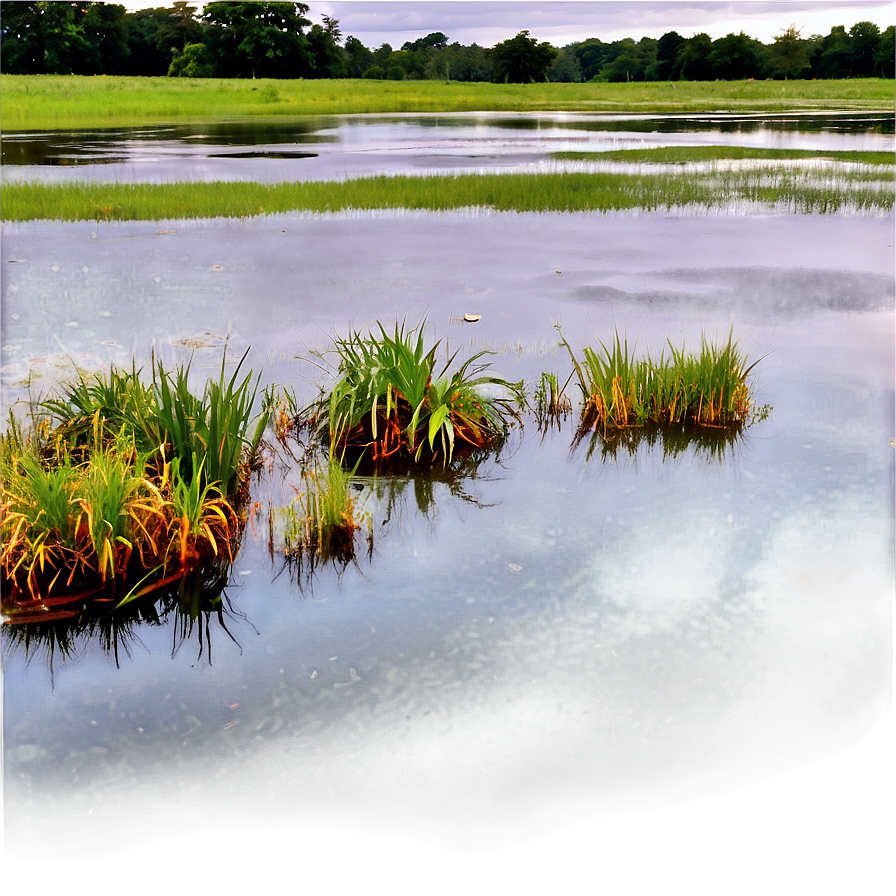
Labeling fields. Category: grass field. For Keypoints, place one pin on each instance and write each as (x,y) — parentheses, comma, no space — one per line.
(787,190)
(68,101)
(683,154)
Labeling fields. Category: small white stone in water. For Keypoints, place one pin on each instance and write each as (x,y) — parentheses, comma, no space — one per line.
(85,269)
(14,316)
(730,518)
(55,267)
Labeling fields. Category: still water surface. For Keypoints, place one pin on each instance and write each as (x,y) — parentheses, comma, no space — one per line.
(342,146)
(556,635)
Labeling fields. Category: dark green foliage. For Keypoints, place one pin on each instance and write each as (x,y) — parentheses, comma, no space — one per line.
(521,60)
(259,40)
(194,61)
(789,55)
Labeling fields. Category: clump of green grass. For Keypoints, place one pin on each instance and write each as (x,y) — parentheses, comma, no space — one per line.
(322,522)
(390,401)
(619,390)
(165,414)
(137,482)
(551,404)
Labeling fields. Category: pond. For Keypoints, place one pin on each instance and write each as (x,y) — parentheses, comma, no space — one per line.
(355,145)
(554,639)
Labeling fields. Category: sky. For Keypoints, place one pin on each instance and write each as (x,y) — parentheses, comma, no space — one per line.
(375,22)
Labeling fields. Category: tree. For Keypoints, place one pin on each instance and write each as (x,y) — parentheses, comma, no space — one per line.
(692,61)
(566,68)
(883,56)
(667,48)
(736,57)
(863,43)
(629,61)
(358,57)
(833,58)
(521,60)
(435,41)
(21,39)
(592,54)
(789,55)
(194,61)
(148,53)
(328,58)
(264,40)
(105,31)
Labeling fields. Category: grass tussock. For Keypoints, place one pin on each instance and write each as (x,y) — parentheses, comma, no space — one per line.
(322,523)
(70,101)
(390,402)
(567,191)
(120,487)
(619,391)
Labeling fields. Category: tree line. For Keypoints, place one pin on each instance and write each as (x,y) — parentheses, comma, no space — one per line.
(277,40)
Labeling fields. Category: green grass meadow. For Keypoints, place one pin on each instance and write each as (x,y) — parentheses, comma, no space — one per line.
(33,102)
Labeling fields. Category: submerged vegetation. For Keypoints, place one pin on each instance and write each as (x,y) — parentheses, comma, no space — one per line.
(771,186)
(123,487)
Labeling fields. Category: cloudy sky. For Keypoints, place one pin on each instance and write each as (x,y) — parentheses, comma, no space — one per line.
(485,22)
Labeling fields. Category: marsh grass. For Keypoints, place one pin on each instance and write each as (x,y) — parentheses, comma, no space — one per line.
(564,191)
(322,522)
(137,486)
(550,403)
(166,414)
(620,390)
(390,402)
(684,154)
(69,101)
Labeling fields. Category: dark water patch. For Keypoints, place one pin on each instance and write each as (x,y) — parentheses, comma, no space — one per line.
(263,154)
(753,293)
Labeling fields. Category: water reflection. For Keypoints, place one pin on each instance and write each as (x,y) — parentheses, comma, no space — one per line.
(337,146)
(702,443)
(189,609)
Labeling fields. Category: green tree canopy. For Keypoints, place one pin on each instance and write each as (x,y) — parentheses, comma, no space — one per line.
(521,60)
(264,40)
(735,57)
(789,55)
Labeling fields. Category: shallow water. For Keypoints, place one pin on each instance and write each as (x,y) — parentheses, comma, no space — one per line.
(560,641)
(582,636)
(342,146)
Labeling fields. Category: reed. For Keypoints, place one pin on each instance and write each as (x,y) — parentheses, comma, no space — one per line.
(619,390)
(215,425)
(322,521)
(137,481)
(389,400)
(551,404)
(70,101)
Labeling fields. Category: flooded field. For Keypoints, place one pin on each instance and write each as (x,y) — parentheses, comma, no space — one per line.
(537,651)
(351,146)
